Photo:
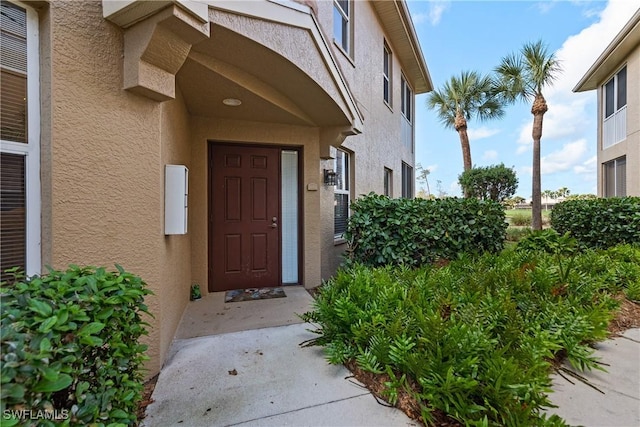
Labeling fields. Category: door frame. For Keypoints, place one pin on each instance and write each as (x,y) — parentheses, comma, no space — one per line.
(210,200)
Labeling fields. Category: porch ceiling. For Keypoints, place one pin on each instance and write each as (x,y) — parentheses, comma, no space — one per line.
(271,87)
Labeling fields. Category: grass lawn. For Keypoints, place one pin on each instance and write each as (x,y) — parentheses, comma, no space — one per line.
(525,212)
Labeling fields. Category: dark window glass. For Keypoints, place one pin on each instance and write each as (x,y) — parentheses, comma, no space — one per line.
(407,181)
(621,177)
(609,95)
(386,66)
(622,88)
(12,213)
(341,214)
(13,73)
(387,182)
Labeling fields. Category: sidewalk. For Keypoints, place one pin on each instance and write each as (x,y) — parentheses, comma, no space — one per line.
(262,377)
(618,401)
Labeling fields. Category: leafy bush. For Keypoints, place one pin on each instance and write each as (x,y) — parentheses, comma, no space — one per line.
(70,345)
(414,232)
(496,182)
(549,241)
(476,338)
(599,223)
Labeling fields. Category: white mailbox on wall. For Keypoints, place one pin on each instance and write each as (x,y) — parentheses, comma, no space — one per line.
(176,192)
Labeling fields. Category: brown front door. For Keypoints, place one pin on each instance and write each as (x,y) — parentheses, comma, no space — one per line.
(244,230)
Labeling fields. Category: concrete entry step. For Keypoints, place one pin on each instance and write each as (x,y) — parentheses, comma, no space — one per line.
(211,315)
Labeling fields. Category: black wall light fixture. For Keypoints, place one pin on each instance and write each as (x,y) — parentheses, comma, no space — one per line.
(329,177)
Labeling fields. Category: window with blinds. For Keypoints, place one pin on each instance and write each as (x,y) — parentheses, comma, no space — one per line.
(341,194)
(19,158)
(407,181)
(12,213)
(615,177)
(13,70)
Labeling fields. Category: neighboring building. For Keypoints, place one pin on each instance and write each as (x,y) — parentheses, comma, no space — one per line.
(275,114)
(616,76)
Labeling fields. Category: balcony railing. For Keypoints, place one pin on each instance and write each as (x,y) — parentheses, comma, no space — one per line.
(406,133)
(614,128)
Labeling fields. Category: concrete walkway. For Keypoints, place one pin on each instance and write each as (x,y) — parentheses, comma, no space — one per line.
(262,377)
(618,401)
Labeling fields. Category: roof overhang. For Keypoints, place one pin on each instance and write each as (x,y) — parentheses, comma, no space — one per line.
(398,26)
(622,45)
(219,49)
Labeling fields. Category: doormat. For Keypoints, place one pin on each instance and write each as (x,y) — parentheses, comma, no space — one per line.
(253,294)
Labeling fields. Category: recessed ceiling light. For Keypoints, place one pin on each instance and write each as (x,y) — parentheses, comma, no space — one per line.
(231,102)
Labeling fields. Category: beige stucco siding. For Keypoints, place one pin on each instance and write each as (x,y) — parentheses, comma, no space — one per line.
(105,156)
(630,147)
(380,144)
(174,250)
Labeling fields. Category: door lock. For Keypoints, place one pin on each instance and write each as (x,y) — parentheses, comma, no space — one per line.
(274,222)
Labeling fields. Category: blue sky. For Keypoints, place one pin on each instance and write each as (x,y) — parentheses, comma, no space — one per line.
(475,35)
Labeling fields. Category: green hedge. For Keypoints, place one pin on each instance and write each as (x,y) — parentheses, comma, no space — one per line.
(70,347)
(599,223)
(414,232)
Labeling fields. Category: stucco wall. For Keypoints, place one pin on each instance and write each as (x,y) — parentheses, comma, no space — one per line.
(630,147)
(174,250)
(206,129)
(105,156)
(380,145)
(104,151)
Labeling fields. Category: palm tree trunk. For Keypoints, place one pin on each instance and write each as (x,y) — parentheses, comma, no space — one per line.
(466,148)
(538,109)
(460,124)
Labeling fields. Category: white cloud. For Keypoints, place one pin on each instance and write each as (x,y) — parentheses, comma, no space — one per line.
(433,15)
(481,132)
(567,158)
(545,6)
(569,116)
(490,155)
(588,167)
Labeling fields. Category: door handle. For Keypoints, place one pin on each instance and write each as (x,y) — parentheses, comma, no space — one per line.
(274,222)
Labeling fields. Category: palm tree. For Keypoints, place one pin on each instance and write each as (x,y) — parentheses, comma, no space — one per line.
(563,192)
(523,76)
(462,98)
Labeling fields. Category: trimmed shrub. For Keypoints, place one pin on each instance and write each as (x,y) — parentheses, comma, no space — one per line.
(414,232)
(599,223)
(70,347)
(496,182)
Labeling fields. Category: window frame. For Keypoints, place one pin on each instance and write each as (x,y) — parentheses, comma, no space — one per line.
(619,188)
(616,95)
(406,99)
(343,184)
(388,182)
(408,191)
(347,17)
(387,70)
(31,149)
